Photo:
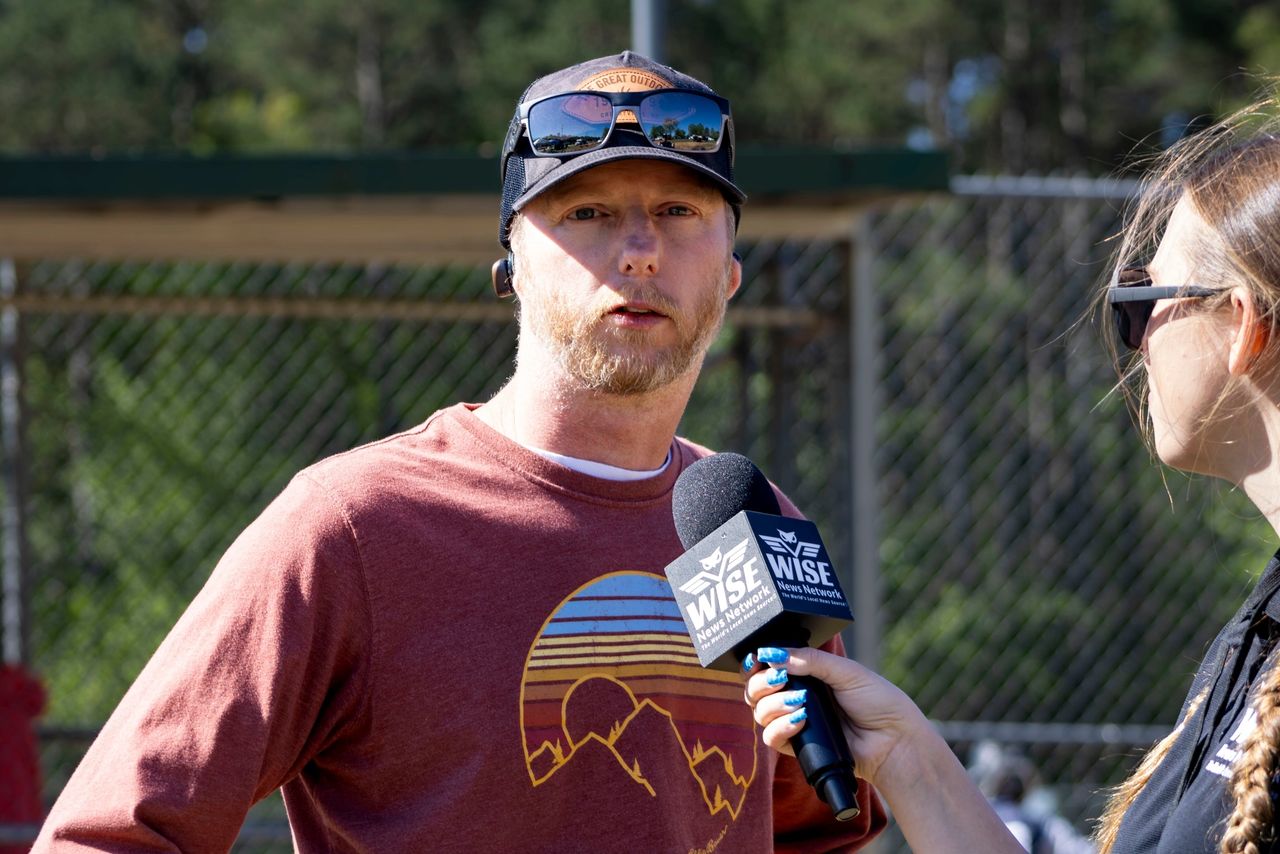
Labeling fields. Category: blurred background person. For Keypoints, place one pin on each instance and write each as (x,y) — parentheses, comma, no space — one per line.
(1010,783)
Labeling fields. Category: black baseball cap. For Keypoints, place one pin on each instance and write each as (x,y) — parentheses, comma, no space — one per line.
(525,174)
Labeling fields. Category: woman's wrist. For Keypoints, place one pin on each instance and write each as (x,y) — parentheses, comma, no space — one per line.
(935,803)
(919,755)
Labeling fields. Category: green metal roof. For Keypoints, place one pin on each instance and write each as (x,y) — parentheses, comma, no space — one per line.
(760,172)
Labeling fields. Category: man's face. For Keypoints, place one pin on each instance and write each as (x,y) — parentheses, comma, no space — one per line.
(623,272)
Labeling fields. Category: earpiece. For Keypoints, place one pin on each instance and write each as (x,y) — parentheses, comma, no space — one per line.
(504,272)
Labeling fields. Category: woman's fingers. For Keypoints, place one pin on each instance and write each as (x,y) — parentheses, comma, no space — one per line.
(837,671)
(770,667)
(784,704)
(778,734)
(782,715)
(779,711)
(766,682)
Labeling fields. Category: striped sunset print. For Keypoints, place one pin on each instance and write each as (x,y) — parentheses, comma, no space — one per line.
(621,641)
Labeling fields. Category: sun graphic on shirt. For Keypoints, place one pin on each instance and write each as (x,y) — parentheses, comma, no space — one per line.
(613,671)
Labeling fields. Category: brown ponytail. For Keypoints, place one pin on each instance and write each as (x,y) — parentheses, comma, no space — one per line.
(1123,796)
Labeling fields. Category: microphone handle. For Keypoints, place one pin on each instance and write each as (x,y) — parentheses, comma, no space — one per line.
(822,750)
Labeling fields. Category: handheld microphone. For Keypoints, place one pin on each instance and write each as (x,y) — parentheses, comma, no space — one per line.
(751,577)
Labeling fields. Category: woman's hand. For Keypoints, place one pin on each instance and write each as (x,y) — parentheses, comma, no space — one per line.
(894,747)
(878,716)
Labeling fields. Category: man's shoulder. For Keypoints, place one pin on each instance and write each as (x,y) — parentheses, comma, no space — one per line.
(437,436)
(404,462)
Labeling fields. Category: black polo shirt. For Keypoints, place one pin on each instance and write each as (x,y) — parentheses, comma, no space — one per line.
(1185,805)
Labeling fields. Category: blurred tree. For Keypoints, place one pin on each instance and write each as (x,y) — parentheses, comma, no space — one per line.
(80,75)
(1005,85)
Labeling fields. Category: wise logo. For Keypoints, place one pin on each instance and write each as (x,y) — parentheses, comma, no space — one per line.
(612,687)
(792,559)
(727,577)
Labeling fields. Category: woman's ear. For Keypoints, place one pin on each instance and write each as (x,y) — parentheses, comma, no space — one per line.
(1249,333)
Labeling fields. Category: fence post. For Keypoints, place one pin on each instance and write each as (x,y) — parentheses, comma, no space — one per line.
(648,28)
(17,630)
(864,351)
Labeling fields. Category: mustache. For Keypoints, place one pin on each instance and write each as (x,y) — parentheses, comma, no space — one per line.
(641,293)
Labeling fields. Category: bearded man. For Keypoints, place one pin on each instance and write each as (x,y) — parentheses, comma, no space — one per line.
(460,638)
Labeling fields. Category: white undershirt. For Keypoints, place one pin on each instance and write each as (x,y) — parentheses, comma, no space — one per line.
(601,470)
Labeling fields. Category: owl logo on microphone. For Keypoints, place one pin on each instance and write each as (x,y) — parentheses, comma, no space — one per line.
(787,543)
(714,568)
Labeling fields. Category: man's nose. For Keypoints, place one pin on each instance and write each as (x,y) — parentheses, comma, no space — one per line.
(640,246)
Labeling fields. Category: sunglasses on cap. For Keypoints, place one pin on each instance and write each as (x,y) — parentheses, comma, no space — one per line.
(677,119)
(1133,297)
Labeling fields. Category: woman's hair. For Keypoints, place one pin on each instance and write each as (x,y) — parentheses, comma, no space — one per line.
(1230,175)
(1123,796)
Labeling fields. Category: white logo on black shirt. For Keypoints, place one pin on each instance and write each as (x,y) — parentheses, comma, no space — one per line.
(1220,763)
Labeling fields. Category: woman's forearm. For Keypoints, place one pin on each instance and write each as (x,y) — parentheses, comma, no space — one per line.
(936,804)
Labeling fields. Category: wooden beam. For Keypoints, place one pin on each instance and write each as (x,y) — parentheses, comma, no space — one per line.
(435,229)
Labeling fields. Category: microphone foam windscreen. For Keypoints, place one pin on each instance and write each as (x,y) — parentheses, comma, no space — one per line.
(715,489)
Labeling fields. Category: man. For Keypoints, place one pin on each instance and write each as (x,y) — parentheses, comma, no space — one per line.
(460,638)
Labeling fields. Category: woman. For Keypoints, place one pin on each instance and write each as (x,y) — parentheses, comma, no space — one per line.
(1200,317)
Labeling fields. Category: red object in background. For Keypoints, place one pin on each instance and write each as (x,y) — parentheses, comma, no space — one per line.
(22,700)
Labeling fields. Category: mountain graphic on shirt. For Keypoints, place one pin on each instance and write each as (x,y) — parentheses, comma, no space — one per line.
(612,687)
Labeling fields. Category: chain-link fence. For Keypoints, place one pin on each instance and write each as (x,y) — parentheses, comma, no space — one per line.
(1021,567)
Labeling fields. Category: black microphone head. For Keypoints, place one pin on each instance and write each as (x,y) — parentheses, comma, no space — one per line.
(715,489)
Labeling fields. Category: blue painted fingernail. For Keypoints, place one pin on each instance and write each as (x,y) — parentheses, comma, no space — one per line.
(773,655)
(748,663)
(795,698)
(799,716)
(777,677)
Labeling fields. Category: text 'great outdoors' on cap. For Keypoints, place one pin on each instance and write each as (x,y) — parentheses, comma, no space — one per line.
(586,132)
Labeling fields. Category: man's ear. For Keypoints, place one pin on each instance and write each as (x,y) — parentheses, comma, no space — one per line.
(735,276)
(1249,333)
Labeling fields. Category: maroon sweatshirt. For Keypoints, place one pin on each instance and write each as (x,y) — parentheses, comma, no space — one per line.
(444,642)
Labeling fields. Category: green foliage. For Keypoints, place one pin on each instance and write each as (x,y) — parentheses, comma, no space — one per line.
(241,121)
(1003,84)
(83,75)
(974,627)
(1259,36)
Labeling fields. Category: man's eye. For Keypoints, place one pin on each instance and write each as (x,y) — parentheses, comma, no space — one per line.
(679,210)
(583,214)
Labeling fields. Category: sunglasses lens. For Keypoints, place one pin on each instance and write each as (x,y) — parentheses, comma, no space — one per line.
(569,124)
(1132,317)
(1131,322)
(683,121)
(573,123)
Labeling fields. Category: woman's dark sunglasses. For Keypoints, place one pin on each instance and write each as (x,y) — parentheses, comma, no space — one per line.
(689,122)
(1133,298)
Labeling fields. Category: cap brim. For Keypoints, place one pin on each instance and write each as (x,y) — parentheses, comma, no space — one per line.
(571,167)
